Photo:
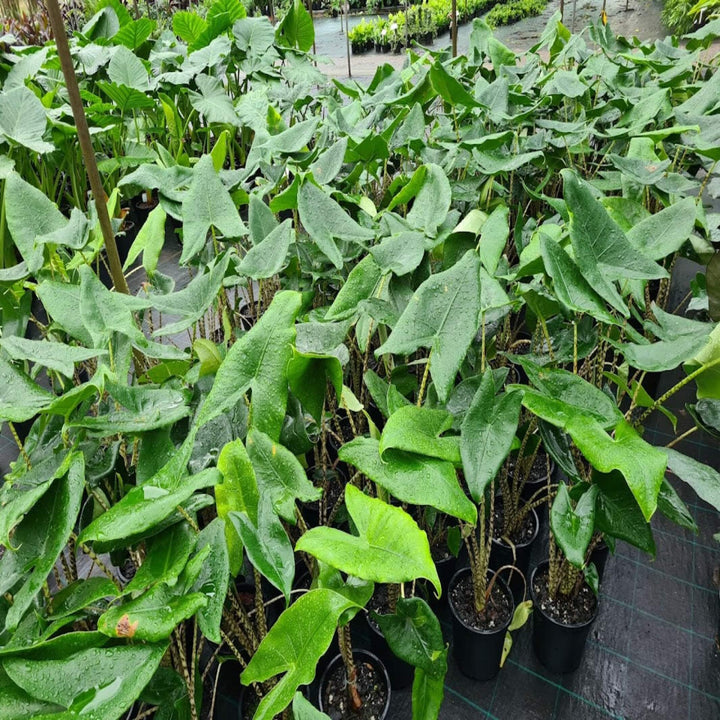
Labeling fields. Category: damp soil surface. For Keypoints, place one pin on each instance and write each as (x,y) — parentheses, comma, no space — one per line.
(371,688)
(565,610)
(498,608)
(522,535)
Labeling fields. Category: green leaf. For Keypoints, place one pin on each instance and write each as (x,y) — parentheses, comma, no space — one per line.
(268,257)
(188,26)
(40,539)
(279,474)
(134,33)
(390,547)
(417,430)
(254,35)
(566,83)
(166,555)
(152,616)
(30,215)
(206,205)
(23,119)
(145,506)
(213,102)
(401,253)
(409,478)
(573,527)
(258,362)
(703,479)
(293,646)
(267,545)
(296,29)
(665,232)
(214,578)
(602,251)
(617,513)
(192,302)
(414,635)
(443,314)
(571,288)
(20,398)
(309,374)
(487,433)
(149,241)
(673,508)
(238,492)
(20,493)
(707,382)
(432,203)
(494,235)
(293,140)
(95,683)
(642,465)
(128,69)
(360,285)
(137,409)
(448,88)
(324,220)
(80,594)
(427,694)
(303,710)
(261,219)
(326,168)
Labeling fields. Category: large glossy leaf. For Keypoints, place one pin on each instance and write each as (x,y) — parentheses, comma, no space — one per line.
(192,302)
(401,253)
(296,29)
(213,579)
(128,69)
(20,398)
(414,635)
(23,119)
(702,478)
(617,513)
(410,478)
(96,683)
(309,375)
(294,646)
(149,241)
(324,220)
(144,507)
(279,474)
(53,355)
(673,508)
(443,315)
(213,102)
(267,545)
(40,538)
(152,616)
(427,694)
(487,433)
(166,555)
(602,251)
(418,430)
(258,362)
(390,547)
(78,595)
(642,465)
(432,203)
(30,214)
(134,33)
(571,288)
(573,527)
(361,283)
(238,492)
(207,205)
(268,257)
(19,493)
(665,232)
(304,710)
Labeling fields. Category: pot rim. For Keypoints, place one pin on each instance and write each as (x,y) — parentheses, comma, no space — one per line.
(502,543)
(379,665)
(536,605)
(493,631)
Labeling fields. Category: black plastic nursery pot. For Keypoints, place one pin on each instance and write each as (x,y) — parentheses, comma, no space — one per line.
(367,664)
(558,646)
(502,555)
(599,558)
(478,652)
